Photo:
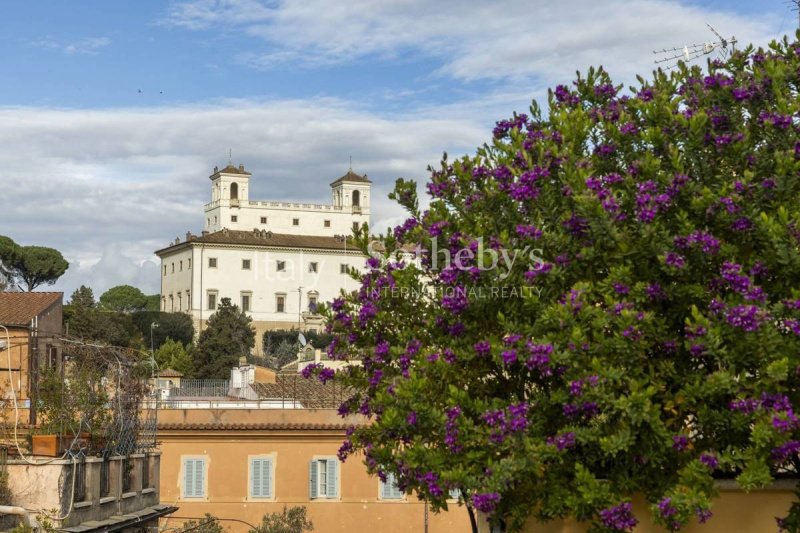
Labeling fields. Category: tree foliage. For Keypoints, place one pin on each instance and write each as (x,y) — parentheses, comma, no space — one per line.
(209,524)
(604,302)
(31,265)
(83,318)
(175,326)
(173,354)
(227,337)
(290,520)
(123,299)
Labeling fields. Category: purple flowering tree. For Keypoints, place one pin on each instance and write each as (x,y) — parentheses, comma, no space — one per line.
(602,302)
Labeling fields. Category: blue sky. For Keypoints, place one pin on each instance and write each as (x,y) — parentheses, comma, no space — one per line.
(107,174)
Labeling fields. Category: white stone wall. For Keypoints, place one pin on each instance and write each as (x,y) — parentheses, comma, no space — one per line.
(262,281)
(176,281)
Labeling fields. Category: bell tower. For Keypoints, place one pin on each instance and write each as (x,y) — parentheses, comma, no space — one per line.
(229,189)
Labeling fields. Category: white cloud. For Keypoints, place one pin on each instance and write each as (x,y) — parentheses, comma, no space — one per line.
(89,45)
(108,187)
(473,40)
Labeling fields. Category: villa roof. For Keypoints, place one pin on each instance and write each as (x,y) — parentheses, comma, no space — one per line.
(352,177)
(19,308)
(230,169)
(170,373)
(267,238)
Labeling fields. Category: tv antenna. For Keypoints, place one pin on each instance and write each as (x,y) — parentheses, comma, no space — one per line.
(796,4)
(690,52)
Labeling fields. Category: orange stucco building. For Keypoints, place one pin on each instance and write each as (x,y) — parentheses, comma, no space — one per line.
(244,463)
(33,323)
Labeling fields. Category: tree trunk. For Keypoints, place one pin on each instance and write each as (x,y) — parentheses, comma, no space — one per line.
(472,520)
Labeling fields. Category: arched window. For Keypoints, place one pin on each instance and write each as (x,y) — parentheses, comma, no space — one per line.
(356,198)
(234,191)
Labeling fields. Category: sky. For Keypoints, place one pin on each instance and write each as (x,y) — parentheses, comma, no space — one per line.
(113,115)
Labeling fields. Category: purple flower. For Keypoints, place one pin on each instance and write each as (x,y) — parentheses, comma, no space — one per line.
(326,374)
(486,502)
(509,357)
(411,419)
(619,517)
(680,443)
(742,224)
(785,451)
(665,508)
(563,441)
(483,348)
(709,460)
(674,260)
(746,317)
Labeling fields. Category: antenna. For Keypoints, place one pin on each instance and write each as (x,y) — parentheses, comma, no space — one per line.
(796,4)
(302,339)
(690,52)
(351,157)
(230,156)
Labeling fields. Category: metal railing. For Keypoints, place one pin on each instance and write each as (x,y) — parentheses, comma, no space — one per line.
(200,388)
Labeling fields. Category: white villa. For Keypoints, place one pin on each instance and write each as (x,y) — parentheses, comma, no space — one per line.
(275,260)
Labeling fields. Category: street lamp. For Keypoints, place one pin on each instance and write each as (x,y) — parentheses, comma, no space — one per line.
(152,325)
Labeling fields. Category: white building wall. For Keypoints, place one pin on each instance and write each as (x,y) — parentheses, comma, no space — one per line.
(176,281)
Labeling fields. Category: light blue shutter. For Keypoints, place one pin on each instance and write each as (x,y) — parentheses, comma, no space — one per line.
(333,469)
(266,477)
(454,494)
(389,489)
(199,488)
(256,478)
(312,480)
(385,487)
(188,478)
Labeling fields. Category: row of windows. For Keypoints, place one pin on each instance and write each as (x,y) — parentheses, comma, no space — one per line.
(180,266)
(168,303)
(280,266)
(323,479)
(246,300)
(295,222)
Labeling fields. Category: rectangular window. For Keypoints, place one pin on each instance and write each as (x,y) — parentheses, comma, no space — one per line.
(389,488)
(312,304)
(212,262)
(260,478)
(295,222)
(327,223)
(343,268)
(127,474)
(355,226)
(246,302)
(180,267)
(194,471)
(453,494)
(171,304)
(212,301)
(188,264)
(280,266)
(234,218)
(312,267)
(173,268)
(280,303)
(165,270)
(245,264)
(180,301)
(263,220)
(188,301)
(80,480)
(323,478)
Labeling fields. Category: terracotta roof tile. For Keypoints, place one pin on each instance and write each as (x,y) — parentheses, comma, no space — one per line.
(244,426)
(19,308)
(267,238)
(170,373)
(230,169)
(352,177)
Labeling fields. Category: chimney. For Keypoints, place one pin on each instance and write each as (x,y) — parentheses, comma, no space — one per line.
(188,236)
(204,232)
(241,167)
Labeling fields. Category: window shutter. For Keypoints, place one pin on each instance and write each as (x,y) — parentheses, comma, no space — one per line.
(312,480)
(199,488)
(266,477)
(385,487)
(333,470)
(188,478)
(255,478)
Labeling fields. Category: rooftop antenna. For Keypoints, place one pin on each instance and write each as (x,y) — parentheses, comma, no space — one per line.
(230,156)
(690,52)
(796,4)
(351,157)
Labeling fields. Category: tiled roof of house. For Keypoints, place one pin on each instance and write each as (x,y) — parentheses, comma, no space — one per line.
(19,308)
(244,426)
(352,177)
(267,238)
(230,169)
(170,373)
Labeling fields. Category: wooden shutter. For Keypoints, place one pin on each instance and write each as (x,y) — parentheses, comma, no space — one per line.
(260,478)
(199,485)
(312,480)
(333,470)
(389,488)
(188,478)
